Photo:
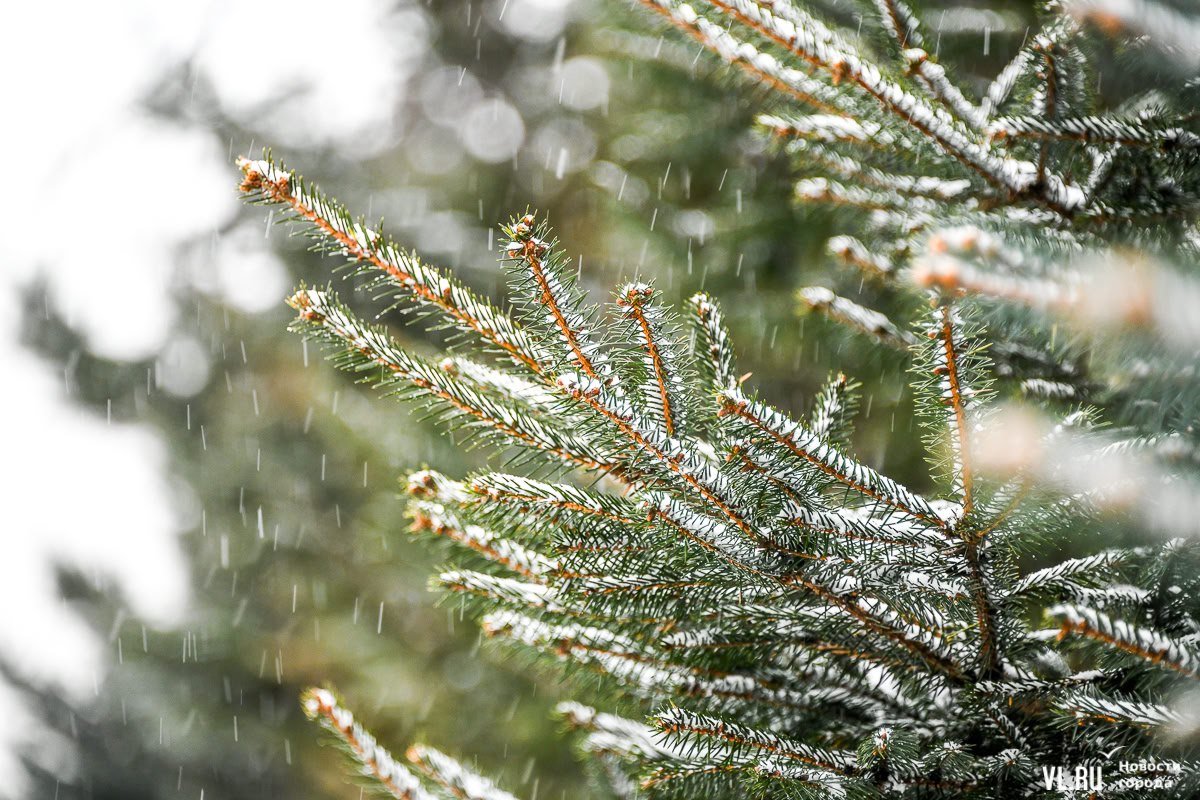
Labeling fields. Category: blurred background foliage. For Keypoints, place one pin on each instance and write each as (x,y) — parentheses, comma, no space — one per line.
(641,153)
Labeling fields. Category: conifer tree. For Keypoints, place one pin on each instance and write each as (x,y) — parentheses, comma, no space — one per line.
(784,619)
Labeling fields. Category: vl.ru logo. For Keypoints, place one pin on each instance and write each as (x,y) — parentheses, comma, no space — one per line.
(1079,779)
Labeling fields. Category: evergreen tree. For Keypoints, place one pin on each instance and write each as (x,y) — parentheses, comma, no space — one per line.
(267,434)
(795,622)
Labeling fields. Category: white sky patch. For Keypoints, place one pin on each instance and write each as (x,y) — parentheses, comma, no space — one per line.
(448,93)
(533,20)
(90,496)
(182,369)
(564,145)
(238,269)
(110,263)
(583,83)
(260,58)
(493,130)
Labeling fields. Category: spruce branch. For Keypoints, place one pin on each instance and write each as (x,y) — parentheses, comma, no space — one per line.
(855,252)
(964,143)
(864,134)
(528,596)
(836,193)
(454,777)
(848,169)
(901,23)
(933,77)
(1091,706)
(613,735)
(264,180)
(849,525)
(431,517)
(725,542)
(644,672)
(1053,578)
(663,382)
(367,347)
(950,366)
(850,314)
(955,394)
(834,410)
(542,278)
(813,626)
(803,452)
(535,497)
(1092,130)
(1166,28)
(1142,643)
(681,725)
(713,351)
(375,761)
(694,473)
(762,67)
(1001,87)
(811,43)
(926,655)
(538,399)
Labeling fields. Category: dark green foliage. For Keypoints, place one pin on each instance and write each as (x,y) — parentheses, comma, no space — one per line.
(793,621)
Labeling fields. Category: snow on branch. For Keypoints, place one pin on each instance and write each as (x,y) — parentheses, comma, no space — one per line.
(613,735)
(860,527)
(610,652)
(933,76)
(546,286)
(956,395)
(811,42)
(763,67)
(921,186)
(504,591)
(1054,578)
(453,776)
(433,517)
(366,347)
(1048,390)
(433,486)
(663,386)
(809,452)
(712,347)
(823,190)
(1093,130)
(1081,465)
(901,23)
(1106,291)
(835,407)
(862,320)
(726,542)
(854,252)
(924,651)
(1143,643)
(682,725)
(1001,87)
(1091,706)
(375,761)
(952,274)
(536,497)
(427,286)
(502,385)
(831,128)
(669,457)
